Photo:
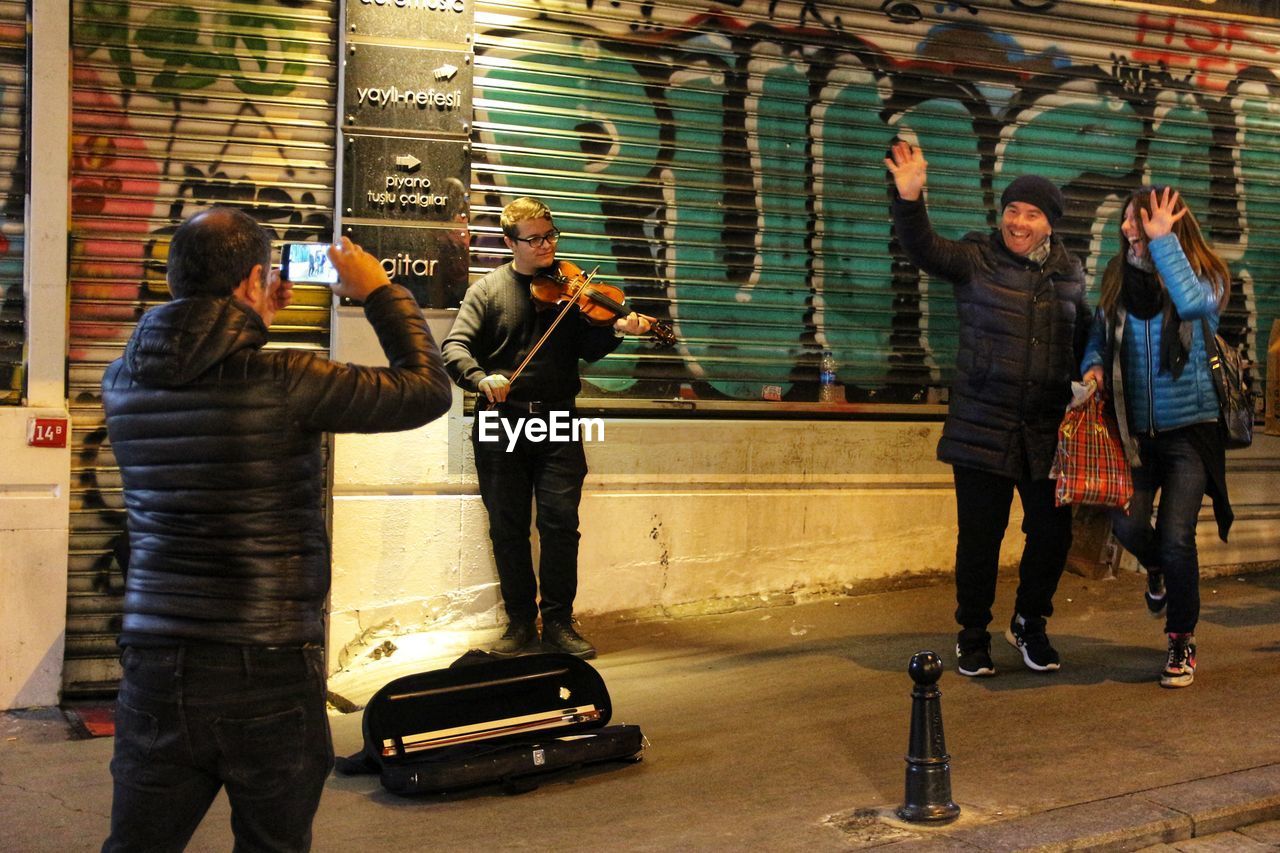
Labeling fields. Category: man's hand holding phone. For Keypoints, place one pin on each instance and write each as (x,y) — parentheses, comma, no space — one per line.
(359,273)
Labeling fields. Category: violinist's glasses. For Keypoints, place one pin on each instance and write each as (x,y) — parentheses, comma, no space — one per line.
(537,241)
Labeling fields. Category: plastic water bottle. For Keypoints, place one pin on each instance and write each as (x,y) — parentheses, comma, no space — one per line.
(827,378)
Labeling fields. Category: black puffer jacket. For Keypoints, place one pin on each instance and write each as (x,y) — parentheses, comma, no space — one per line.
(1022,334)
(219,446)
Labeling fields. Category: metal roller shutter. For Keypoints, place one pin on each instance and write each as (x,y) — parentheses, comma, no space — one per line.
(723,162)
(176,108)
(13,190)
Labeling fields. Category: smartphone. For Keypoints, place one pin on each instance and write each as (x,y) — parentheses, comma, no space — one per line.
(307,263)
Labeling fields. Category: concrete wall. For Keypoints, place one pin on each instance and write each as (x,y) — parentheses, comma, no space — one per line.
(677,515)
(680,517)
(33,562)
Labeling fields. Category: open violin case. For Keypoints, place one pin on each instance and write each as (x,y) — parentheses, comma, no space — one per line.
(488,720)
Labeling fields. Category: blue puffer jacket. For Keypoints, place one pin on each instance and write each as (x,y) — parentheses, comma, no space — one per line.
(1154,400)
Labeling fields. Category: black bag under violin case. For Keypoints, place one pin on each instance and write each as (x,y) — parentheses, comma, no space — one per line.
(487,720)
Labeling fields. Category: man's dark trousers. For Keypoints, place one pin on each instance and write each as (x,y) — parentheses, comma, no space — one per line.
(983,500)
(193,718)
(550,474)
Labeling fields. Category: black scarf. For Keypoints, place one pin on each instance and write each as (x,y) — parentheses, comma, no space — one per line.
(1144,297)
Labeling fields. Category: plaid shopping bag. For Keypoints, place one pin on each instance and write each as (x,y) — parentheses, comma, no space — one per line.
(1090,466)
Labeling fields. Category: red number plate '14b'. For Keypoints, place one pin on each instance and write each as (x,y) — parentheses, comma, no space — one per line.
(47,432)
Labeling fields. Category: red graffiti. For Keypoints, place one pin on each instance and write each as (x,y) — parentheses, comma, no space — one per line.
(115,194)
(1203,47)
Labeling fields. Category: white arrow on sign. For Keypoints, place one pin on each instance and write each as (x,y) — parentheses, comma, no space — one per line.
(445,72)
(408,162)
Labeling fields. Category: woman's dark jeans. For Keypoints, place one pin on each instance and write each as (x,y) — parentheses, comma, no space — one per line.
(191,719)
(1172,466)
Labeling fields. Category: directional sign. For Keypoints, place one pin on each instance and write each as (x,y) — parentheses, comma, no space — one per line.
(430,261)
(424,20)
(396,88)
(405,179)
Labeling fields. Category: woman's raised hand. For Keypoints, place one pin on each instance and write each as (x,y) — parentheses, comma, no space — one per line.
(908,166)
(1159,221)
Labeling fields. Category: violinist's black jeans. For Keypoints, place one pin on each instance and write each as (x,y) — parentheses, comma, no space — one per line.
(983,500)
(550,475)
(195,718)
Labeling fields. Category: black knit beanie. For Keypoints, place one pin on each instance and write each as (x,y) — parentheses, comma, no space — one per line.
(1036,190)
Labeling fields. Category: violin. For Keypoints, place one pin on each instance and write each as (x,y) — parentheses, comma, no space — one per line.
(565,284)
(599,304)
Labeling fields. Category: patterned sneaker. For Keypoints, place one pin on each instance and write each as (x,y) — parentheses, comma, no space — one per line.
(1154,596)
(1031,640)
(1180,668)
(974,659)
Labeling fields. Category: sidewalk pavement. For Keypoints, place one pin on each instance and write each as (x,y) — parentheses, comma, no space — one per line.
(784,728)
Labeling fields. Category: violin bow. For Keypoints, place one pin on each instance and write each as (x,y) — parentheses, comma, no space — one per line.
(563,311)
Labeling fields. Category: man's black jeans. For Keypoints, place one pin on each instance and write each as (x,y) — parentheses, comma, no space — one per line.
(983,500)
(550,474)
(191,719)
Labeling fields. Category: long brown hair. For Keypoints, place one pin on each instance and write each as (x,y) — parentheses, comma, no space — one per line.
(1204,261)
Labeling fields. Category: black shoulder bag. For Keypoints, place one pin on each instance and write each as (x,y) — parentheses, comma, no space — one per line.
(1227,368)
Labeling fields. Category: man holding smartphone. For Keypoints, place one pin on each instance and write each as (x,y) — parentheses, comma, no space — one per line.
(219,443)
(497,326)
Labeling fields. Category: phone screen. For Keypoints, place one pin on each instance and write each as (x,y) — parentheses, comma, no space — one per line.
(307,263)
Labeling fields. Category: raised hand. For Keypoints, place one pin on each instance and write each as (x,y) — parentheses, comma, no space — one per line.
(1159,221)
(908,167)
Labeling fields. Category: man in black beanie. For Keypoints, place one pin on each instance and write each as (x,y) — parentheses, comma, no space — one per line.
(1023,321)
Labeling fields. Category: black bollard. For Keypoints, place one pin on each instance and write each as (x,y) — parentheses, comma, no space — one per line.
(928,789)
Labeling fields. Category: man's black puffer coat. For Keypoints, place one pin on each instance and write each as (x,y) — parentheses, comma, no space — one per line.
(219,446)
(1022,333)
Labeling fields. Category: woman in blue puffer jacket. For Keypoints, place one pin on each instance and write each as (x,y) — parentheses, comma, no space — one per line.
(1160,297)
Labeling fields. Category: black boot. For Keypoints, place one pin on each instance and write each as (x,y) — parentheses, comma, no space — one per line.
(520,638)
(559,636)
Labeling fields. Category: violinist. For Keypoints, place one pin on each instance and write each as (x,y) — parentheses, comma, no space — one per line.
(497,327)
